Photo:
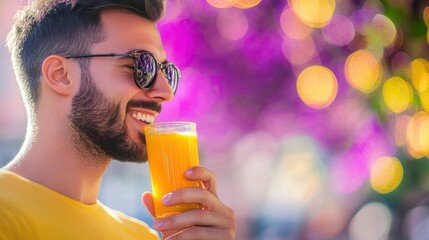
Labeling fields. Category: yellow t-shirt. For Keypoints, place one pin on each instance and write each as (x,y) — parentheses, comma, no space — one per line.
(29,210)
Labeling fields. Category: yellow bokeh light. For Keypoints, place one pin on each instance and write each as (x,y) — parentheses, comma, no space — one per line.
(424,99)
(243,4)
(314,13)
(397,94)
(418,135)
(419,77)
(363,71)
(317,86)
(219,3)
(292,26)
(386,174)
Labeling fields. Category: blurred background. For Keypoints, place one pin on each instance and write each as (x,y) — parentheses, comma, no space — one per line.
(313,114)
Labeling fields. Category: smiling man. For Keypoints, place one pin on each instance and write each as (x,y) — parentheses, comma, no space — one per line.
(92,73)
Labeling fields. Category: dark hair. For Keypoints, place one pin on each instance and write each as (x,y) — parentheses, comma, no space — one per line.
(63,27)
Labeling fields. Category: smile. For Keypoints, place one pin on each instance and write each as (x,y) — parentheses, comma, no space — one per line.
(144,117)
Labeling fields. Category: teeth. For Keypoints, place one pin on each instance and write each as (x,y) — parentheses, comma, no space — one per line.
(144,117)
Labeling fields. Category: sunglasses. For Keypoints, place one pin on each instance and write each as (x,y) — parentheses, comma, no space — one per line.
(145,68)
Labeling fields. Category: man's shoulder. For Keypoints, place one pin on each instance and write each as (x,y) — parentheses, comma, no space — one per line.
(27,208)
(134,224)
(13,189)
(9,188)
(13,220)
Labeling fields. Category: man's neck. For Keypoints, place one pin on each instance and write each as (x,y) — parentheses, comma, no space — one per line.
(60,168)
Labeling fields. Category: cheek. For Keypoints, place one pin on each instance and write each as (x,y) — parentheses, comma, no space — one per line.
(115,82)
(103,76)
(75,75)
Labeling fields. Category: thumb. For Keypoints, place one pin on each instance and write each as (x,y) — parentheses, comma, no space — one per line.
(147,200)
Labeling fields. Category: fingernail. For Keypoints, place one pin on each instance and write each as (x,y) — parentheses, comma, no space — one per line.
(159,224)
(166,198)
(189,172)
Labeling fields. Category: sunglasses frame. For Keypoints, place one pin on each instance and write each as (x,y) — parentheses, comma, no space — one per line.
(140,81)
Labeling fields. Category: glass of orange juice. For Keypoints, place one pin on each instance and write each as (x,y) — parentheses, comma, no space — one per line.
(172,149)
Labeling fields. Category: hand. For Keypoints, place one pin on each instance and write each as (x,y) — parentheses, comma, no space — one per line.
(213,221)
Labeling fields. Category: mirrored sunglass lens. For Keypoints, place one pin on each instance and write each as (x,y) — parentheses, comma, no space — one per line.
(145,70)
(172,74)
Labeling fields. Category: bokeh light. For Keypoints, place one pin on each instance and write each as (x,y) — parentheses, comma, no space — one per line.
(419,74)
(258,164)
(400,63)
(426,16)
(427,36)
(418,135)
(426,19)
(317,86)
(363,71)
(315,13)
(244,3)
(397,94)
(350,169)
(298,175)
(417,223)
(399,129)
(372,221)
(327,218)
(292,26)
(299,51)
(386,174)
(385,30)
(219,3)
(340,31)
(232,24)
(424,96)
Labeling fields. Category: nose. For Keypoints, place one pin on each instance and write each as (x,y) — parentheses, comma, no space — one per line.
(161,90)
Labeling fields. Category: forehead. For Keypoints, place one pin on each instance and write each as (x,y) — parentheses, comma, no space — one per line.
(126,31)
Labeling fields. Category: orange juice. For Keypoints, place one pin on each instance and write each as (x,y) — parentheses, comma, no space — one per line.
(170,155)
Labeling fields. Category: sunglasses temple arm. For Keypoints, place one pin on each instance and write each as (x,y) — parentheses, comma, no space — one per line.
(102,55)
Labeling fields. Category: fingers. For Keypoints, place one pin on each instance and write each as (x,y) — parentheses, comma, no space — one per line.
(199,233)
(195,195)
(196,217)
(147,200)
(207,177)
(214,221)
(197,224)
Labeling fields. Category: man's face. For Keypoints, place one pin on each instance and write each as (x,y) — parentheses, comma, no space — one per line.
(109,112)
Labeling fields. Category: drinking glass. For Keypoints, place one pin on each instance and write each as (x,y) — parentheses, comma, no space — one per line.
(172,148)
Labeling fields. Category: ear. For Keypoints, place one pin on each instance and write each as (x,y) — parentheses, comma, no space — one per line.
(55,70)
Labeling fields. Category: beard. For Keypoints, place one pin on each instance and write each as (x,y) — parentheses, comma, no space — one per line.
(97,129)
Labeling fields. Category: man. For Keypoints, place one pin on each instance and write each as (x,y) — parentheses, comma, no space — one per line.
(92,73)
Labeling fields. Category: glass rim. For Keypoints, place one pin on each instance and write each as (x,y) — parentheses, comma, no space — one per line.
(171,127)
(173,123)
